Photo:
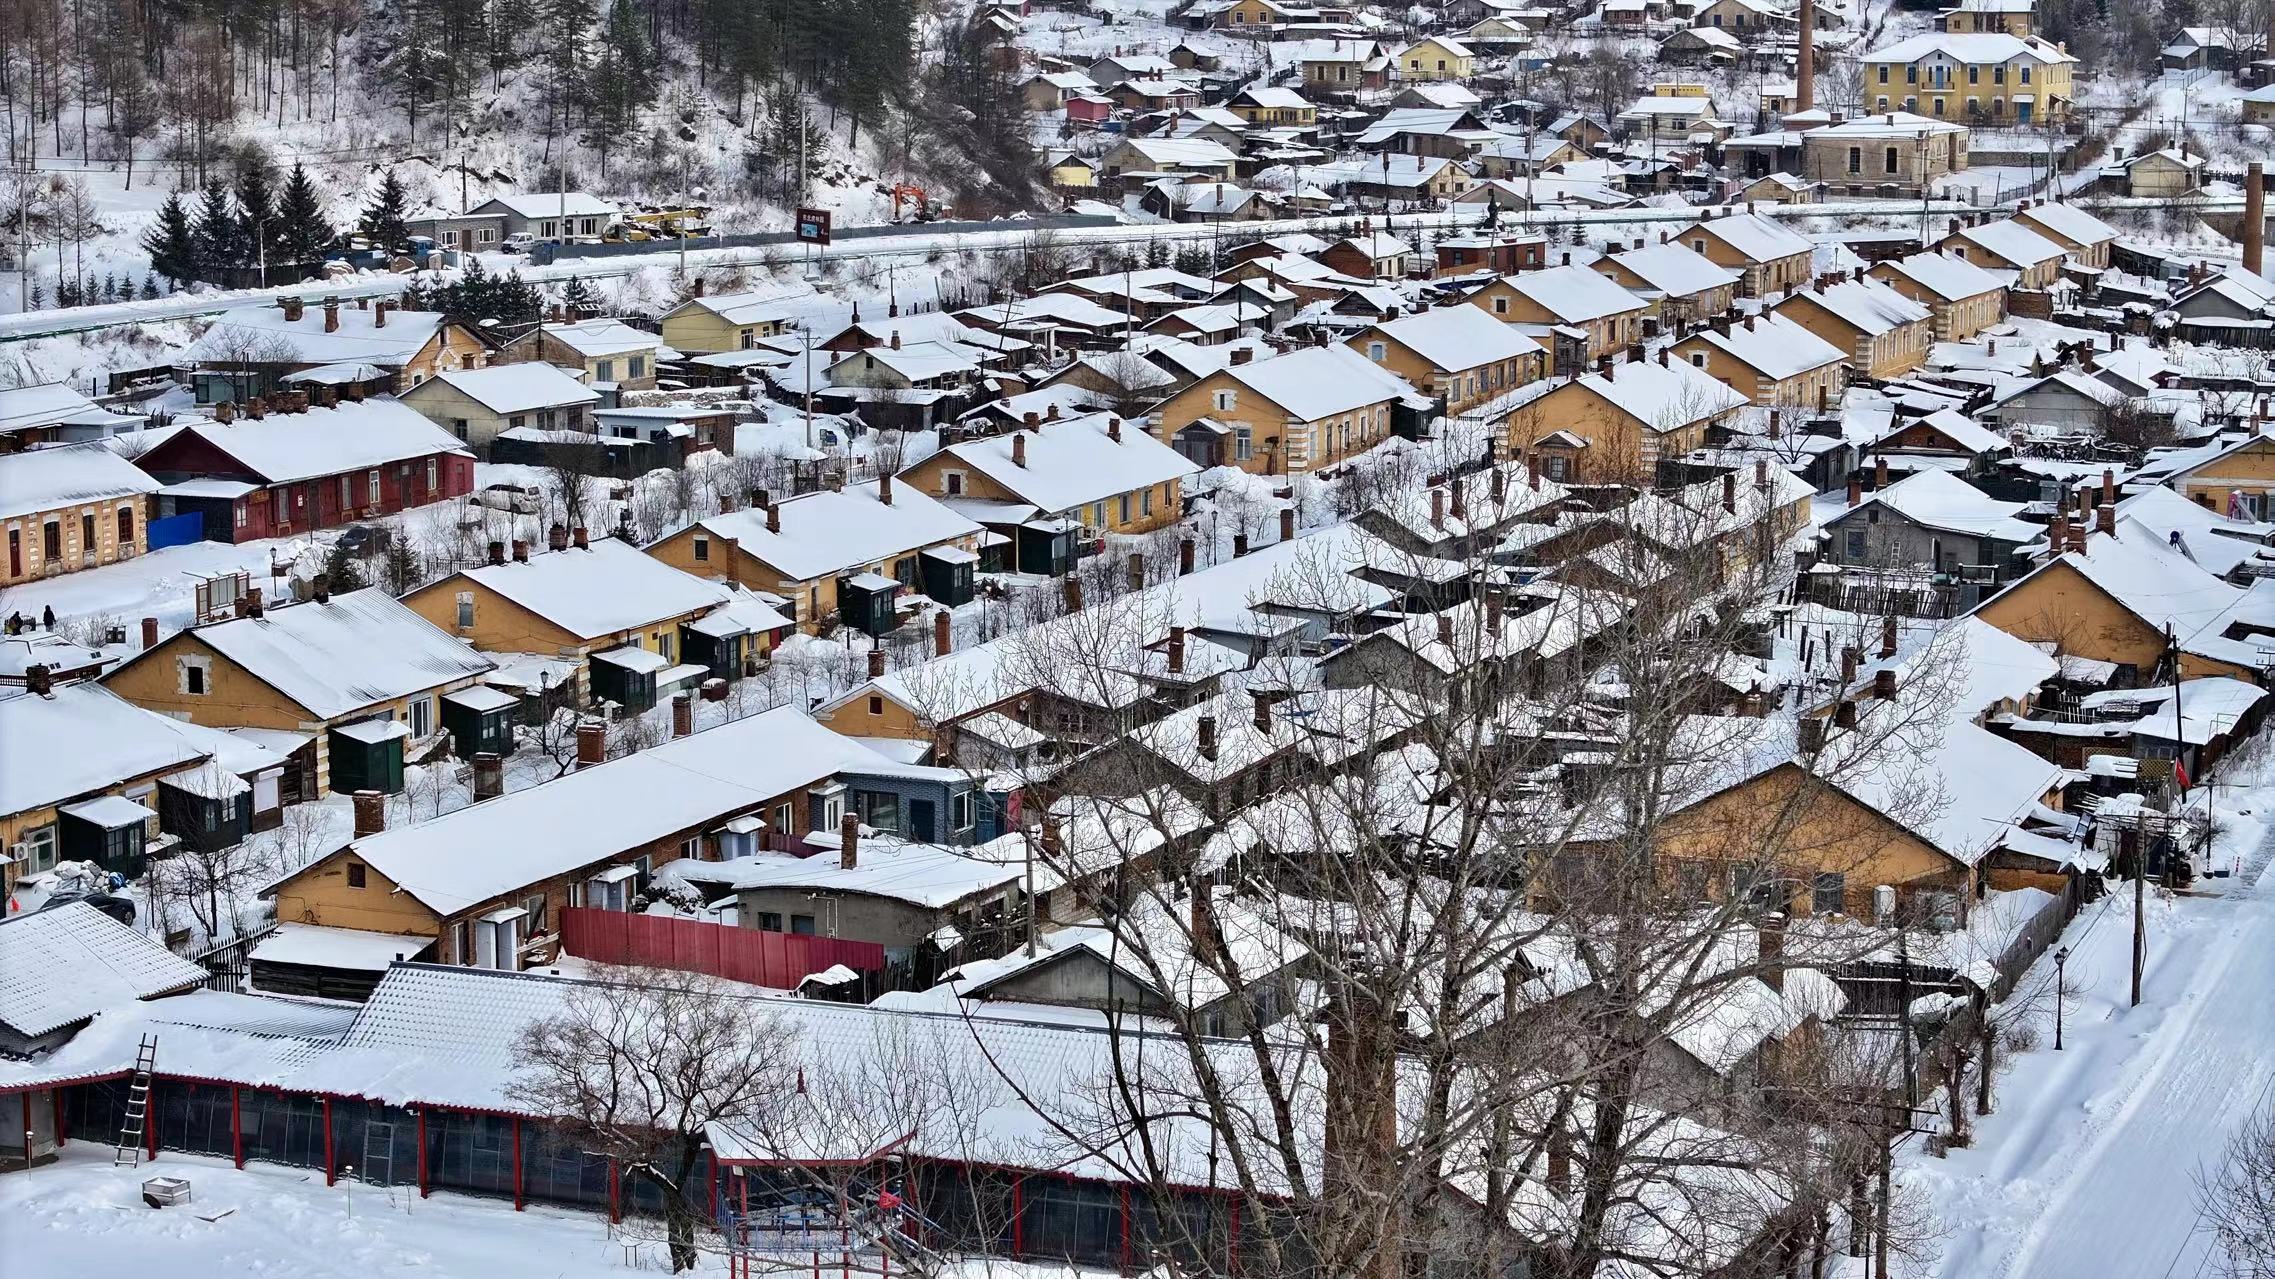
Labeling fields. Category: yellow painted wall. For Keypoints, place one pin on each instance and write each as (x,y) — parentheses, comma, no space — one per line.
(1885,355)
(891,719)
(1620,449)
(1606,334)
(1463,388)
(695,328)
(452,347)
(31,534)
(2249,470)
(1885,85)
(1303,446)
(1800,389)
(929,476)
(2059,605)
(319,894)
(18,825)
(1761,279)
(1954,321)
(1699,305)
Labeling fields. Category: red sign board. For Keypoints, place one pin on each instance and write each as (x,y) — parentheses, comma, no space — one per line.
(813,226)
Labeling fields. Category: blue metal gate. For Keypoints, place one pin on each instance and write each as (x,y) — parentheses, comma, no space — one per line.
(176,530)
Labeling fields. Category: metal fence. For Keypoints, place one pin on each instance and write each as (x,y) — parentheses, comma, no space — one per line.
(753,955)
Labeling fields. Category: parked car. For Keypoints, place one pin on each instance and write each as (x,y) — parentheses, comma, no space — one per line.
(520,499)
(519,242)
(364,540)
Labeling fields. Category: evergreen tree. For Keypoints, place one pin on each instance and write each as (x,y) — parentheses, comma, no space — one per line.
(341,572)
(383,219)
(110,286)
(622,83)
(213,237)
(38,299)
(303,234)
(518,301)
(578,298)
(257,214)
(150,285)
(171,246)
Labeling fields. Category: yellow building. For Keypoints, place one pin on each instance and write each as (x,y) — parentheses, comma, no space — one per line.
(1455,353)
(1963,299)
(2259,105)
(1883,333)
(876,538)
(2113,602)
(1437,58)
(710,324)
(2013,17)
(596,350)
(1615,426)
(1683,286)
(2008,246)
(1286,415)
(2237,482)
(1096,471)
(2088,240)
(70,508)
(1994,77)
(1607,317)
(81,761)
(1769,359)
(1271,107)
(1768,256)
(358,673)
(603,601)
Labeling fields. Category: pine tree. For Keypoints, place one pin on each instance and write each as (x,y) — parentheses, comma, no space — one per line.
(110,286)
(622,83)
(213,237)
(518,301)
(304,235)
(383,219)
(150,285)
(257,218)
(38,299)
(171,247)
(578,298)
(341,573)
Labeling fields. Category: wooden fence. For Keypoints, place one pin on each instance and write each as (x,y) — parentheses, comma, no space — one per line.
(753,955)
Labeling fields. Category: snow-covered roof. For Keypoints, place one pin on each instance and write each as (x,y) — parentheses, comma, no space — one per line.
(1666,396)
(1316,382)
(602,337)
(1047,309)
(1946,275)
(924,875)
(603,588)
(590,815)
(1936,499)
(2068,221)
(72,475)
(515,388)
(1073,462)
(2212,541)
(1455,338)
(1869,306)
(283,448)
(23,408)
(339,656)
(1975,47)
(68,964)
(1673,269)
(915,361)
(1772,345)
(830,531)
(1194,152)
(548,204)
(81,739)
(2012,241)
(1756,237)
(319,946)
(1885,124)
(262,334)
(2155,583)
(1574,294)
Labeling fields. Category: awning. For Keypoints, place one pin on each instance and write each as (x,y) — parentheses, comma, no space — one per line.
(744,825)
(110,812)
(872,582)
(615,875)
(952,555)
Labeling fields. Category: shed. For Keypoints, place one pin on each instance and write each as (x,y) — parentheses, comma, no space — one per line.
(368,755)
(479,718)
(865,602)
(627,676)
(106,830)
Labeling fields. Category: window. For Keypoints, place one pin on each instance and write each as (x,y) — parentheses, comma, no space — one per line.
(458,427)
(1856,159)
(1098,514)
(87,533)
(1998,74)
(1698,359)
(431,475)
(604,370)
(465,610)
(39,849)
(1122,508)
(1224,400)
(1883,73)
(1698,245)
(785,819)
(667,643)
(1911,75)
(1938,111)
(636,367)
(125,525)
(876,705)
(770,920)
(239,512)
(1974,74)
(422,716)
(1145,502)
(702,549)
(960,810)
(1243,442)
(1559,467)
(459,951)
(1829,894)
(1377,352)
(347,490)
(358,875)
(1500,306)
(2025,73)
(197,676)
(952,483)
(1856,551)
(1890,158)
(803,925)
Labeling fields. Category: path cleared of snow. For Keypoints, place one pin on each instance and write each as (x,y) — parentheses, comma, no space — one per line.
(2089,1165)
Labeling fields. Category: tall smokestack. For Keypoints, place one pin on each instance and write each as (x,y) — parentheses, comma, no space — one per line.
(2254,215)
(1805,60)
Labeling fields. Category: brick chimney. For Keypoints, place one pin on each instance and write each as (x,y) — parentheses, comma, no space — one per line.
(849,843)
(323,590)
(1884,683)
(682,714)
(1019,448)
(331,315)
(1239,545)
(1771,932)
(773,518)
(2254,216)
(520,551)
(557,538)
(225,412)
(578,538)
(379,313)
(1844,715)
(1184,556)
(1849,656)
(885,487)
(592,743)
(1261,702)
(1887,637)
(1730,492)
(1437,508)
(876,663)
(1071,586)
(149,633)
(497,552)
(1532,471)
(1137,570)
(39,681)
(1879,473)
(1176,650)
(2105,521)
(293,308)
(943,634)
(1812,738)
(1242,355)
(1114,429)
(1287,524)
(489,775)
(370,813)
(1445,629)
(1207,733)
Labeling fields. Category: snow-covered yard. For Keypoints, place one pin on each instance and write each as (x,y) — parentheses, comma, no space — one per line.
(2089,1166)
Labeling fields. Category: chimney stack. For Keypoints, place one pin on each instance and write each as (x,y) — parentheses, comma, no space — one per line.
(1239,545)
(876,663)
(331,315)
(1261,701)
(149,633)
(1532,471)
(370,813)
(849,843)
(1849,656)
(1207,731)
(773,518)
(557,538)
(577,538)
(38,680)
(1730,492)
(1072,587)
(1812,734)
(943,639)
(520,551)
(1437,508)
(2105,521)
(1019,450)
(323,590)
(1844,715)
(1137,570)
(293,309)
(1445,629)
(592,742)
(1771,931)
(1114,429)
(489,775)
(885,487)
(497,552)
(1879,473)
(1287,524)
(1887,637)
(1208,945)
(1499,486)
(1884,683)
(682,714)
(225,412)
(2108,486)
(379,314)
(1176,650)
(1184,556)
(2254,216)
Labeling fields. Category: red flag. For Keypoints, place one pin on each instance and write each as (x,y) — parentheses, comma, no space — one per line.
(2180,774)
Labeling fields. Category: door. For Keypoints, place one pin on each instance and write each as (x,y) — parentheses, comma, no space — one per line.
(15,552)
(920,820)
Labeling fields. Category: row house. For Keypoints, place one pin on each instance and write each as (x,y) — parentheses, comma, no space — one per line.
(1578,314)
(1457,354)
(1770,257)
(253,351)
(1771,360)
(70,507)
(1616,425)
(600,352)
(284,471)
(477,406)
(1286,415)
(1963,298)
(1884,333)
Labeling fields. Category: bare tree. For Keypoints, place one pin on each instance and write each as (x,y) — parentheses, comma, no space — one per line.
(2238,1197)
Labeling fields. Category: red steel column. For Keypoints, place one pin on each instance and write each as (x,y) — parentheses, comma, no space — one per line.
(614,1214)
(150,1120)
(1018,1217)
(1125,1229)
(329,1178)
(422,1152)
(236,1130)
(517,1201)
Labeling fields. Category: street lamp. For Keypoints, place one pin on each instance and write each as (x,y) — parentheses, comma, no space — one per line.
(2061,960)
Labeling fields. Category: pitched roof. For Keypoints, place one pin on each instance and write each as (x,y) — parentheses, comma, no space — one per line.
(602,337)
(515,388)
(68,964)
(262,334)
(75,474)
(1756,237)
(1947,276)
(1663,396)
(283,448)
(2068,221)
(1072,463)
(1868,306)
(1676,270)
(549,204)
(1936,499)
(2012,241)
(1457,337)
(88,739)
(1982,46)
(1773,345)
(1574,294)
(830,530)
(1317,382)
(337,657)
(603,588)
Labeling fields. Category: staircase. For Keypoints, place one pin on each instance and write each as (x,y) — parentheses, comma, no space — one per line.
(131,1128)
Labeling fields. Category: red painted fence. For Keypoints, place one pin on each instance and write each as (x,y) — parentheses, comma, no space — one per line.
(751,955)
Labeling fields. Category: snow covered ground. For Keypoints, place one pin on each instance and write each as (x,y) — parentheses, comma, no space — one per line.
(2089,1166)
(81,1216)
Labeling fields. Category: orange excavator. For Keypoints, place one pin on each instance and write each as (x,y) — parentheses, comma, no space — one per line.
(907,192)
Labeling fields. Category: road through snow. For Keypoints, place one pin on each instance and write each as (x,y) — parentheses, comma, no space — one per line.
(2089,1166)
